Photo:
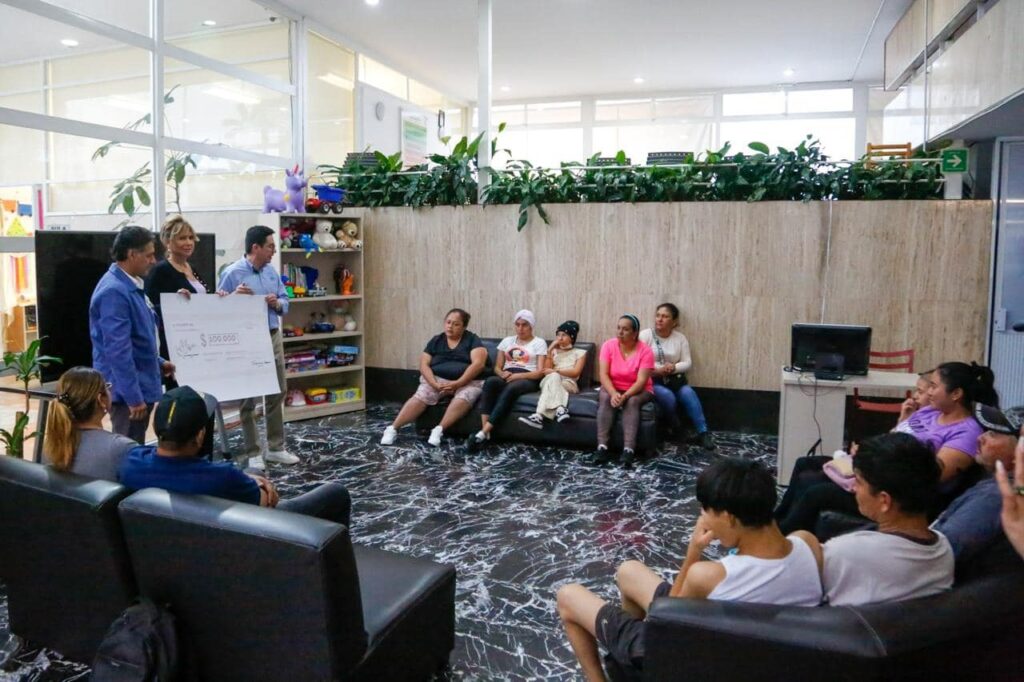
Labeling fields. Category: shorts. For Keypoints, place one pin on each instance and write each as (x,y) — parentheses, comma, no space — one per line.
(428,395)
(623,634)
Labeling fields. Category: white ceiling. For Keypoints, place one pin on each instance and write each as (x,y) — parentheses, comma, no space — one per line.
(555,48)
(545,48)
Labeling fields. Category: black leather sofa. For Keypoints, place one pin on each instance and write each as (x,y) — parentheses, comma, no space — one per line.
(579,432)
(262,594)
(271,595)
(63,558)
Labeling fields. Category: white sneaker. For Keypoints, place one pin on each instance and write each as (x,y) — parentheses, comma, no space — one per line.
(281,457)
(435,436)
(257,463)
(390,434)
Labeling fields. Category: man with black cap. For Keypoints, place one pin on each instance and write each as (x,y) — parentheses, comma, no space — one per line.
(971,521)
(182,419)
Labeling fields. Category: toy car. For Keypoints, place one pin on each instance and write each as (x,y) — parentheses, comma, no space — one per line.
(328,199)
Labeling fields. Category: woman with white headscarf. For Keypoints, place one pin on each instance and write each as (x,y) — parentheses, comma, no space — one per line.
(518,369)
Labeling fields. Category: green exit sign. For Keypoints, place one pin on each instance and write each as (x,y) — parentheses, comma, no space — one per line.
(954,160)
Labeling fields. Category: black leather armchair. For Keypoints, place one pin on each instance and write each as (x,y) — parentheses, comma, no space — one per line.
(581,429)
(62,556)
(265,594)
(972,632)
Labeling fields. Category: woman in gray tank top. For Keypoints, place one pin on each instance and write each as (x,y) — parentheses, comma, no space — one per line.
(75,438)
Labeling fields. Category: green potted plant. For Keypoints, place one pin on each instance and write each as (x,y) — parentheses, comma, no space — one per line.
(27,365)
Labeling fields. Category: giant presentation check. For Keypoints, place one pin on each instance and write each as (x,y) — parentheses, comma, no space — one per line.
(220,345)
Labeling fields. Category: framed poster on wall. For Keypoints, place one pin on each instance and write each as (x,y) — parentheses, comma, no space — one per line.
(414,138)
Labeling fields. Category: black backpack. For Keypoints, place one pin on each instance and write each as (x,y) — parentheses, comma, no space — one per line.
(142,645)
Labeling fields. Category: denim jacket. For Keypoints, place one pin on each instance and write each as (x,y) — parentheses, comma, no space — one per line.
(125,350)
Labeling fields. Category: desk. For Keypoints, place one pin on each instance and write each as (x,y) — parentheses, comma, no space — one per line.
(804,399)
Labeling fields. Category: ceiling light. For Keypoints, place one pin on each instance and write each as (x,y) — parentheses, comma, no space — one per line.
(69,42)
(788,73)
(505,88)
(372,3)
(209,22)
(336,80)
(638,80)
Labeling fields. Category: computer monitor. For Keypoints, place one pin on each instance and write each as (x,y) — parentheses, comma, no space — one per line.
(811,341)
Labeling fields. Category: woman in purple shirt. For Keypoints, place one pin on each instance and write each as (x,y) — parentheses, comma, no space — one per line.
(946,424)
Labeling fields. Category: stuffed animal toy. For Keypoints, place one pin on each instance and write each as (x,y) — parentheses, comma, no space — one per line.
(291,200)
(344,280)
(306,242)
(295,398)
(343,319)
(323,236)
(347,236)
(288,238)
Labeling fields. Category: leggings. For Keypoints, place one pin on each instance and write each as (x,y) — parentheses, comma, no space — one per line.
(630,417)
(329,501)
(810,493)
(499,396)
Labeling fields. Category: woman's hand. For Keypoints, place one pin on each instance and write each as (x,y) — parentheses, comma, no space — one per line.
(617,399)
(908,408)
(549,370)
(667,369)
(505,374)
(184,292)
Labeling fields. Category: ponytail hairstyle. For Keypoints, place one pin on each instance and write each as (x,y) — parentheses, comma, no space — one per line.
(976,381)
(78,391)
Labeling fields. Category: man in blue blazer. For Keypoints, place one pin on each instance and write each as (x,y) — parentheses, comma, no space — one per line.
(122,327)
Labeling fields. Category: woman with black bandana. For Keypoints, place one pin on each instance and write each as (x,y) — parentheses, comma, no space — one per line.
(560,378)
(626,365)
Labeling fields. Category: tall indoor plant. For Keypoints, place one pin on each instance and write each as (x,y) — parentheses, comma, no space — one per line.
(27,365)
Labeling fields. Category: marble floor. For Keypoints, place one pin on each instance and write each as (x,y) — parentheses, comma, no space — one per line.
(517,521)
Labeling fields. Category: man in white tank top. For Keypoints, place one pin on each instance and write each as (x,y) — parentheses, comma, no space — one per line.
(737,498)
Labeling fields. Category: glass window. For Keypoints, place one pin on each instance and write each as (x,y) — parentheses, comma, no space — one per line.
(545,148)
(552,112)
(21,77)
(26,37)
(836,134)
(217,109)
(640,140)
(819,101)
(753,103)
(509,114)
(24,155)
(379,76)
(133,16)
(34,102)
(80,184)
(220,182)
(329,119)
(684,107)
(622,109)
(124,62)
(238,45)
(426,97)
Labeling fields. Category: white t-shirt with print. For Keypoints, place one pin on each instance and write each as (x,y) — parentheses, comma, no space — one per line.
(520,355)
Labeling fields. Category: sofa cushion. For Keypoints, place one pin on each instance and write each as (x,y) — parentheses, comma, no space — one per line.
(408,613)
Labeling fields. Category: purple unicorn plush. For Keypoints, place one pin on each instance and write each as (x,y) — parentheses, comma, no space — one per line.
(292,200)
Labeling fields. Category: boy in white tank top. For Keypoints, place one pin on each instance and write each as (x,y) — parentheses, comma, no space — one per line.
(737,498)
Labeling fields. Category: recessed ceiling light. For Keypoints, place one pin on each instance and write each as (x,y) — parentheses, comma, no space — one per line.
(209,22)
(788,72)
(69,42)
(372,3)
(505,88)
(638,80)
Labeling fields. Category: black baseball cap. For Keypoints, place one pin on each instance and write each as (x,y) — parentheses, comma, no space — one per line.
(994,419)
(181,413)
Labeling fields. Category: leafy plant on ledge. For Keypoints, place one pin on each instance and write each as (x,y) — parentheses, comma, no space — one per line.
(803,173)
(130,194)
(27,365)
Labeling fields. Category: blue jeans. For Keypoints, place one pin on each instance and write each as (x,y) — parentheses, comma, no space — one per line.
(685,396)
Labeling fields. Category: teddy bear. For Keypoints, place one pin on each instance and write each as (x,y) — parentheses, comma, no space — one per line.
(347,236)
(343,319)
(323,237)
